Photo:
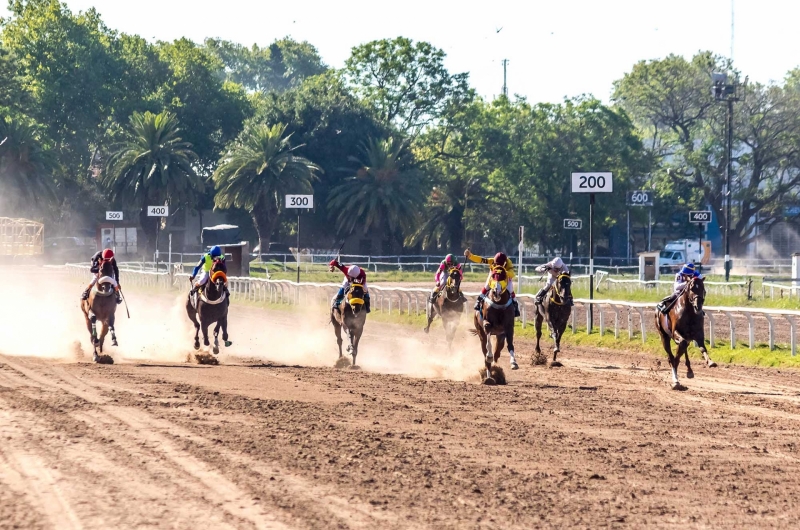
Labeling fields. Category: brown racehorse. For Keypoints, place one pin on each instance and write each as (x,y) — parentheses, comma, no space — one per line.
(496,318)
(210,307)
(556,312)
(683,324)
(101,305)
(351,316)
(448,305)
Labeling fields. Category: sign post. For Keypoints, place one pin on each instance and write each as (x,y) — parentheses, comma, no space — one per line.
(701,218)
(521,245)
(160,212)
(591,183)
(639,198)
(298,202)
(114,216)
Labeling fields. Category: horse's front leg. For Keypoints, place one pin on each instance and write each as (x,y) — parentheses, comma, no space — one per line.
(225,339)
(700,339)
(111,322)
(216,338)
(683,349)
(431,310)
(510,341)
(204,326)
(103,332)
(355,338)
(498,347)
(538,324)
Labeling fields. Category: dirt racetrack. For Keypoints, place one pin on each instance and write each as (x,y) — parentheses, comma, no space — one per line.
(275,438)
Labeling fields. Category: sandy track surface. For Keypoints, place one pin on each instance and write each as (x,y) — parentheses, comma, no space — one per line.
(273,438)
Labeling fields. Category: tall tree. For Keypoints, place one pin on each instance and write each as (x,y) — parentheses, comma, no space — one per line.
(152,165)
(406,82)
(28,167)
(257,170)
(385,194)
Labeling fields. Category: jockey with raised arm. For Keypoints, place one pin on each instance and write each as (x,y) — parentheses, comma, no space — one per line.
(204,265)
(553,267)
(499,260)
(683,276)
(352,274)
(443,272)
(98,260)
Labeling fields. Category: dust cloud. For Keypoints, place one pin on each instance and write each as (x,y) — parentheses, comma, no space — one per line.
(42,318)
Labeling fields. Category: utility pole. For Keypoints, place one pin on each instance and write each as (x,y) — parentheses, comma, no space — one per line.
(505,85)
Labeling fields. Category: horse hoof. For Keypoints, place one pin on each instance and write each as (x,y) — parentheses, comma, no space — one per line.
(712,364)
(426,330)
(196,345)
(489,381)
(95,341)
(215,350)
(228,344)
(355,367)
(95,357)
(555,364)
(690,375)
(349,349)
(679,387)
(514,366)
(114,343)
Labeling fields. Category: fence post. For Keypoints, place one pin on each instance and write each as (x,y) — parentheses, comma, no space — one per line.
(750,330)
(710,329)
(771,332)
(733,329)
(790,319)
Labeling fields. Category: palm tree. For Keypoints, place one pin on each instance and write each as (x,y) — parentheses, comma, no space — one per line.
(258,168)
(384,194)
(152,165)
(27,165)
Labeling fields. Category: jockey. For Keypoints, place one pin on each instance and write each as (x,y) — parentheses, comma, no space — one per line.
(352,274)
(683,276)
(442,273)
(554,267)
(206,262)
(499,260)
(98,260)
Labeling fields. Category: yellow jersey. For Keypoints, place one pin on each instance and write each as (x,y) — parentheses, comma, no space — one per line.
(509,266)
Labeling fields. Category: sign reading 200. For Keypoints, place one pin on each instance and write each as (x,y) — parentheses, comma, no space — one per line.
(592,183)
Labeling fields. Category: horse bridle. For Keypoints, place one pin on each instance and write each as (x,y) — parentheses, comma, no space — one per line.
(451,281)
(554,292)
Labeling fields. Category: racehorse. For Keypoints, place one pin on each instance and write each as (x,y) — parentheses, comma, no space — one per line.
(208,306)
(350,315)
(496,318)
(101,305)
(555,311)
(683,324)
(448,305)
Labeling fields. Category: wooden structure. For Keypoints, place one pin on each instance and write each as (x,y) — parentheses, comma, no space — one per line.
(21,237)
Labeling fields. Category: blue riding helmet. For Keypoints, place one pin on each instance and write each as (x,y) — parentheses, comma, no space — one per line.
(689,270)
(215,251)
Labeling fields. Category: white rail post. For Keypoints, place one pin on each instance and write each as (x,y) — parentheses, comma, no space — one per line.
(616,320)
(750,330)
(771,327)
(733,329)
(602,320)
(630,325)
(642,324)
(710,329)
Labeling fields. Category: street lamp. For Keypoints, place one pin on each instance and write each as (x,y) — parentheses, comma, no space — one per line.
(726,91)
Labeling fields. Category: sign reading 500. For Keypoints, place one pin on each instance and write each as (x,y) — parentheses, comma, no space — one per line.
(592,183)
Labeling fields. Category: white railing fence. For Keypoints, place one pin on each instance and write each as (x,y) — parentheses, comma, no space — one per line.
(635,316)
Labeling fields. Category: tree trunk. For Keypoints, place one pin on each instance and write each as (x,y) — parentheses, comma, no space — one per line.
(149,226)
(265,218)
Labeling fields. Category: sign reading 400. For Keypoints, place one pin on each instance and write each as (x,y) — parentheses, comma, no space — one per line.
(592,183)
(158,211)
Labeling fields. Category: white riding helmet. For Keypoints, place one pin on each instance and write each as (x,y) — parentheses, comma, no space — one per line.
(353,271)
(558,264)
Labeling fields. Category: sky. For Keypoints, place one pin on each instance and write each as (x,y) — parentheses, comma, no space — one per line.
(555,48)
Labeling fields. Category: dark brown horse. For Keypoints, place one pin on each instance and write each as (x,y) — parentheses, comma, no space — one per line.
(683,324)
(351,316)
(210,306)
(448,305)
(101,305)
(496,318)
(555,310)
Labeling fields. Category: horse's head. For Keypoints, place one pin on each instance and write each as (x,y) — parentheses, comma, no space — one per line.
(562,289)
(218,281)
(106,268)
(355,297)
(696,293)
(453,285)
(498,284)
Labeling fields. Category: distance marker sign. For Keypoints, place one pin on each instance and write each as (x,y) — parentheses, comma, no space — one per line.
(113,216)
(700,216)
(573,224)
(158,211)
(592,183)
(299,201)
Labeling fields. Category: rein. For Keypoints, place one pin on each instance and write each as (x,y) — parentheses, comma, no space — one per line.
(554,292)
(219,300)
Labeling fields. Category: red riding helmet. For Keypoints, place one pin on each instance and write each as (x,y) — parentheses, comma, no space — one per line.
(108,254)
(500,259)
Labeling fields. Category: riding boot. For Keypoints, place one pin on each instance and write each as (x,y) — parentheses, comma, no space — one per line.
(336,301)
(119,297)
(434,295)
(85,294)
(540,295)
(366,302)
(516,307)
(479,302)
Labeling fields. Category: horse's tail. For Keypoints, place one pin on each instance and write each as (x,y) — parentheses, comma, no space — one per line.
(474,332)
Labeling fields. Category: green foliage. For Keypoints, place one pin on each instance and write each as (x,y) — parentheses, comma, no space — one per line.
(28,166)
(406,82)
(259,167)
(385,194)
